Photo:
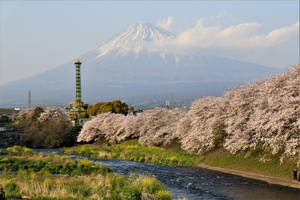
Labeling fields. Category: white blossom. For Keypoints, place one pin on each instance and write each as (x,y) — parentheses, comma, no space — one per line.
(265,113)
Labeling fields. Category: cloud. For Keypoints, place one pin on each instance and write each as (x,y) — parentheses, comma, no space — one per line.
(283,34)
(165,23)
(241,36)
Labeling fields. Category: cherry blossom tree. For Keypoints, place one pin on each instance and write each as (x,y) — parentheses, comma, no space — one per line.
(265,113)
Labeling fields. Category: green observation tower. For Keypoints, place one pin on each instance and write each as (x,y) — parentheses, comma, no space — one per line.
(77,110)
(78,82)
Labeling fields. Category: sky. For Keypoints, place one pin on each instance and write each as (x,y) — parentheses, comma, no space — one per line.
(36,36)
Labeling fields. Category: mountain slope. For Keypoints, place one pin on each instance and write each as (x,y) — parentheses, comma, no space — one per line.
(133,65)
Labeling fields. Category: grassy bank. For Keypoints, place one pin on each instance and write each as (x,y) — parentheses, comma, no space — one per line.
(131,150)
(254,160)
(40,176)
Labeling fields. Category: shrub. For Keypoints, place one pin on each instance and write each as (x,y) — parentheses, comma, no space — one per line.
(150,185)
(46,129)
(4,119)
(132,193)
(115,106)
(52,133)
(17,151)
(163,195)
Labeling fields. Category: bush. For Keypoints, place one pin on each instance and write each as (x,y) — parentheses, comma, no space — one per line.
(52,133)
(4,119)
(163,195)
(115,106)
(132,193)
(46,129)
(149,185)
(17,151)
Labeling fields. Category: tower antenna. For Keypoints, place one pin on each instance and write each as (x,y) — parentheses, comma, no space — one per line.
(171,100)
(29,99)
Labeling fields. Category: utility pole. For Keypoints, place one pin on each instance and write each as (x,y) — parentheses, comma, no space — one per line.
(29,99)
(171,100)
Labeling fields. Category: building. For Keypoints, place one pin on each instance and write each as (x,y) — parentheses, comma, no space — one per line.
(77,110)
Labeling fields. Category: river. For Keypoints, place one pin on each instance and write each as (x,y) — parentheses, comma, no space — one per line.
(197,183)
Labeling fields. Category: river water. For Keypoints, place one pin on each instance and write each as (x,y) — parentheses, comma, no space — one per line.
(197,183)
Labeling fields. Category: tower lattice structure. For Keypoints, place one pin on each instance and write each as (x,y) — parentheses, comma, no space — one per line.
(77,110)
(78,82)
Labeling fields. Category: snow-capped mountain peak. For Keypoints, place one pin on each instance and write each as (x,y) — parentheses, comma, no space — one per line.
(137,38)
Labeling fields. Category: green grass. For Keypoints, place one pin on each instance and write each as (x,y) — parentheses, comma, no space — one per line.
(53,177)
(24,159)
(111,186)
(131,150)
(248,161)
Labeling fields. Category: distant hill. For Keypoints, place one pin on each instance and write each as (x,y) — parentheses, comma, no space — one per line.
(132,66)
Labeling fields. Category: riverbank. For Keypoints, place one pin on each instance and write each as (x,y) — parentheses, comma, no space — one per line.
(253,164)
(268,179)
(132,151)
(40,176)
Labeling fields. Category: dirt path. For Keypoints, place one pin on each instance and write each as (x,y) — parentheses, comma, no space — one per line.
(269,179)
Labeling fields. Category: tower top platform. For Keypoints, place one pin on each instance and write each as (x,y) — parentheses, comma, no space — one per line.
(77,61)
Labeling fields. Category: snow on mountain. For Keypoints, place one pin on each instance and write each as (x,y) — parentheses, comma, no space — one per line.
(139,37)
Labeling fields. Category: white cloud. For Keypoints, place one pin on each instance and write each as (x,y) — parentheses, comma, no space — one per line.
(241,36)
(283,34)
(165,23)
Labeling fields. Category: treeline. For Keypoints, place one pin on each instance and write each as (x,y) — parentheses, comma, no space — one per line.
(265,113)
(4,119)
(51,128)
(115,106)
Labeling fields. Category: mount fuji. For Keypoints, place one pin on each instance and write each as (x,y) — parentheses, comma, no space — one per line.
(135,65)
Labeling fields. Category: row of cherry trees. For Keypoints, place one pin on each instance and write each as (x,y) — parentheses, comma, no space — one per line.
(265,113)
